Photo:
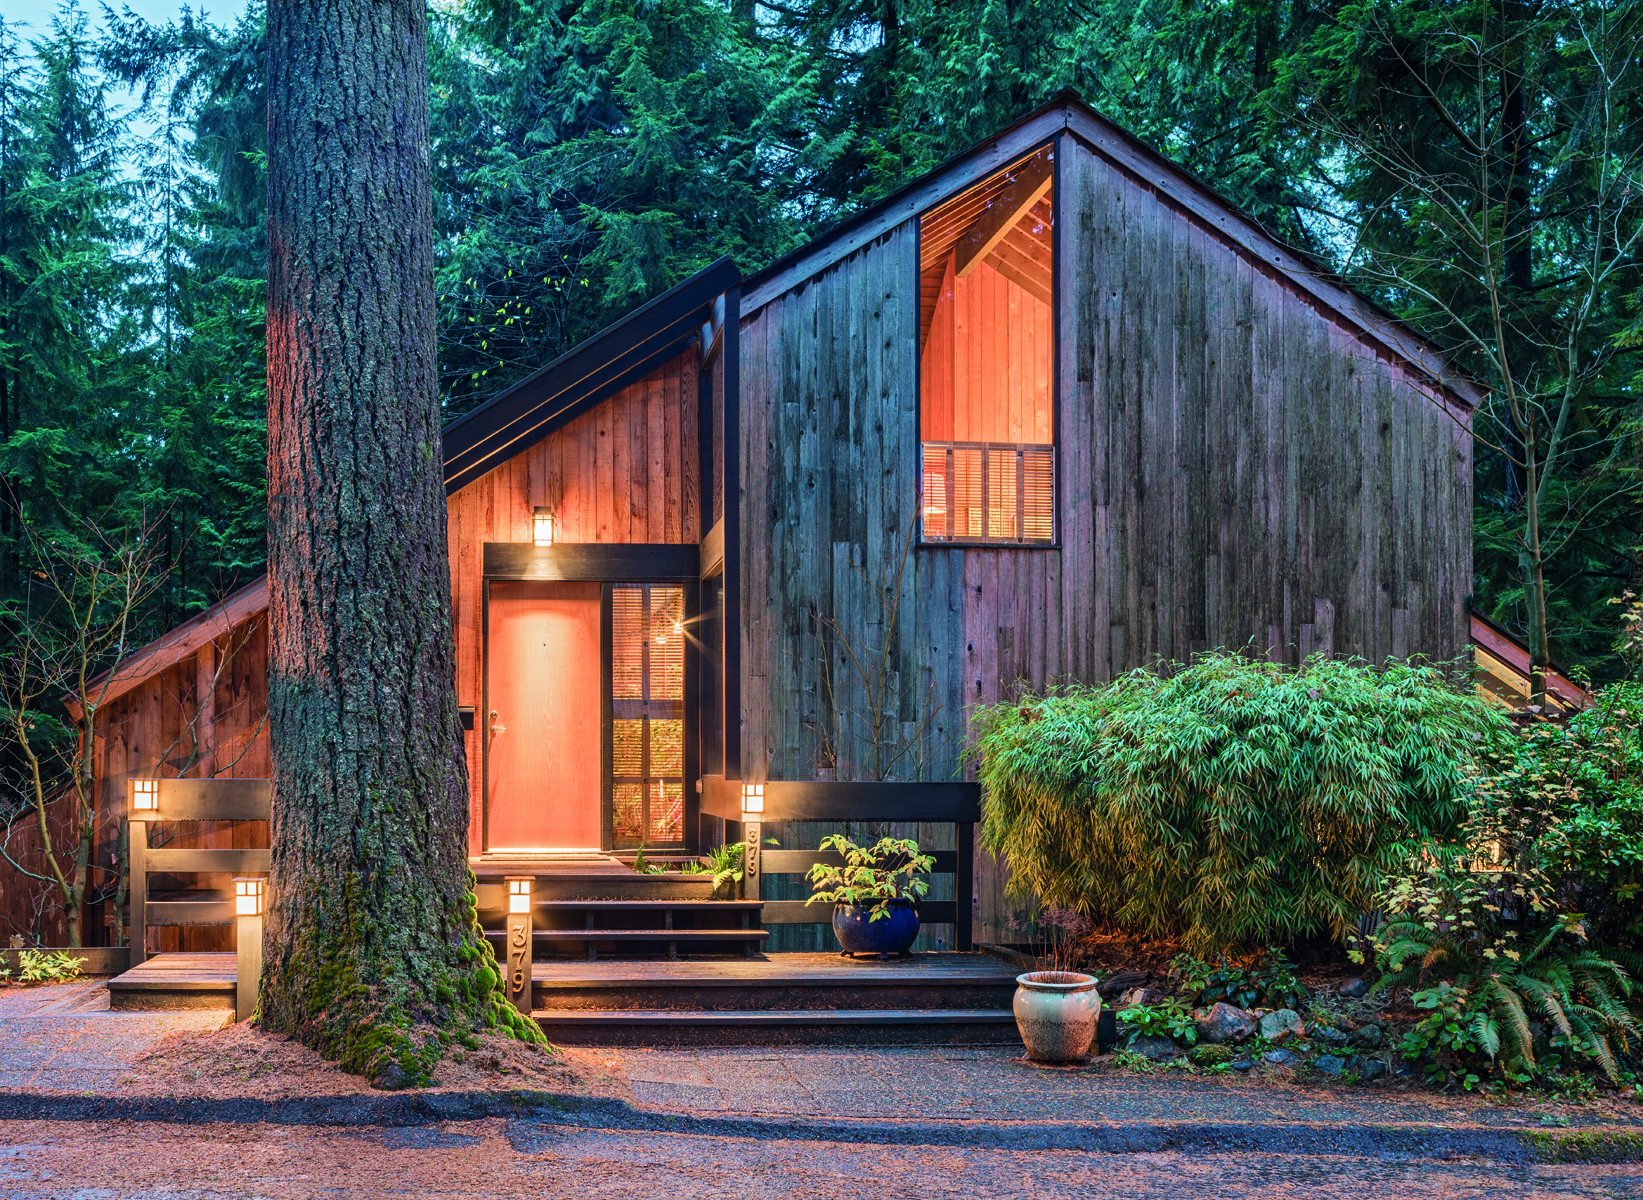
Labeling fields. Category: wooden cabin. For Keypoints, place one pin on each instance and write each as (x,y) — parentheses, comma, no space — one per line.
(1054,411)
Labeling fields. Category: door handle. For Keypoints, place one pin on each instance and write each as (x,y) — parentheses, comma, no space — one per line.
(495,728)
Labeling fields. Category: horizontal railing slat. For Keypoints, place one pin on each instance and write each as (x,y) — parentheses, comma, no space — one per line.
(210,800)
(797,862)
(790,800)
(797,912)
(189,912)
(238,861)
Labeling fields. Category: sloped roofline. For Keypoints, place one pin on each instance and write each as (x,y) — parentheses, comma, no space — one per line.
(548,399)
(504,426)
(1173,183)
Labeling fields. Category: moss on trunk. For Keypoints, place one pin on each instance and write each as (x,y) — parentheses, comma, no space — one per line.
(372,955)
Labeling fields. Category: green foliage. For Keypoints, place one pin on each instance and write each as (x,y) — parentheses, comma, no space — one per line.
(1231,802)
(1267,980)
(1476,926)
(724,863)
(1171,1019)
(47,966)
(1590,770)
(870,877)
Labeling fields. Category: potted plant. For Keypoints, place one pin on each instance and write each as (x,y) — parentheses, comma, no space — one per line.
(1057,1010)
(874,895)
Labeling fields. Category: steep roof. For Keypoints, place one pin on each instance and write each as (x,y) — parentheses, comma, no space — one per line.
(1172,183)
(496,431)
(567,387)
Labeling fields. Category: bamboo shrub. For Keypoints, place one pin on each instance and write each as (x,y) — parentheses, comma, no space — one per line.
(1230,802)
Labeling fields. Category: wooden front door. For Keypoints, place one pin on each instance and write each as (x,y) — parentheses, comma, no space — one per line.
(542,664)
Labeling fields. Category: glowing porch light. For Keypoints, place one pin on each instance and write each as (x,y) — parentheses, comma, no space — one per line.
(145,794)
(542,526)
(248,895)
(519,895)
(753,797)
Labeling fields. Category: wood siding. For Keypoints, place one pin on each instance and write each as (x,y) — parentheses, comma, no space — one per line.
(1237,468)
(624,472)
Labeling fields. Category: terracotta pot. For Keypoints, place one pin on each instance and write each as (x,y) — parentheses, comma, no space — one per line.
(1056,1012)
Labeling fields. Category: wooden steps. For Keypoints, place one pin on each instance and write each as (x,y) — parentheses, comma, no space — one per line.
(175,981)
(808,1027)
(637,925)
(780,999)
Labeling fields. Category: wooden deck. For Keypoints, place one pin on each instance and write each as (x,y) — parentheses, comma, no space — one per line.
(801,999)
(172,981)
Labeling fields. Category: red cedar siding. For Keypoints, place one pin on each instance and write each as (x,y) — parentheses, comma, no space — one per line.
(624,472)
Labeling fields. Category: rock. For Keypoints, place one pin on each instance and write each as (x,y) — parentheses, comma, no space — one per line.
(1141,995)
(1366,1037)
(1372,1068)
(1242,1064)
(391,1077)
(1280,1025)
(1329,1037)
(1206,1055)
(1330,1064)
(1278,1058)
(1352,989)
(1223,1023)
(1156,1048)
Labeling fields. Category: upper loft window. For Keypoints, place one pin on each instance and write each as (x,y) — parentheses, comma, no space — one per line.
(986,359)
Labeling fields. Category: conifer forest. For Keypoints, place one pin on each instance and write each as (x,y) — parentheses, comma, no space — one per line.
(1468,164)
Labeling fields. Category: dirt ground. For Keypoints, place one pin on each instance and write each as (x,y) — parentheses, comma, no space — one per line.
(244,1062)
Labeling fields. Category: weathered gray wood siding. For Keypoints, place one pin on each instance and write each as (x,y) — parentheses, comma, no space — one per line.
(1237,468)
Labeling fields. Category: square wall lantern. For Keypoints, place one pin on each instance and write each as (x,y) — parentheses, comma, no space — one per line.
(542,526)
(753,797)
(519,895)
(145,794)
(248,895)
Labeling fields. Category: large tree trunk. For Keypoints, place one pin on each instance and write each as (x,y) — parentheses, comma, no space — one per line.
(371,928)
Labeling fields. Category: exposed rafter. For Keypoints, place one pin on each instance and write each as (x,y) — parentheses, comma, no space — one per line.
(1030,185)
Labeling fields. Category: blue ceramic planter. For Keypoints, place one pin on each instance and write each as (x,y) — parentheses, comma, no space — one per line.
(890,934)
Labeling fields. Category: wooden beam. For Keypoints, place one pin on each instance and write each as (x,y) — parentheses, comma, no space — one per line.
(239,862)
(207,800)
(190,912)
(713,550)
(1009,263)
(593,562)
(1030,186)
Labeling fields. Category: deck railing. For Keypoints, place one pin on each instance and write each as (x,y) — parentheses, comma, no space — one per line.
(991,492)
(787,801)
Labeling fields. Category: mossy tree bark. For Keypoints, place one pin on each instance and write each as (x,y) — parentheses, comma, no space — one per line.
(372,955)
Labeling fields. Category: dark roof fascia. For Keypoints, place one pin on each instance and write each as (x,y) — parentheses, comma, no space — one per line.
(1068,111)
(986,155)
(546,400)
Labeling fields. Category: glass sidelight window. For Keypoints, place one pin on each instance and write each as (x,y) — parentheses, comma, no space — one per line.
(647,714)
(986,359)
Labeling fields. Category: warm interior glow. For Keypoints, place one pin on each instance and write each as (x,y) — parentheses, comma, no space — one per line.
(248,897)
(753,797)
(519,895)
(542,526)
(986,359)
(145,794)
